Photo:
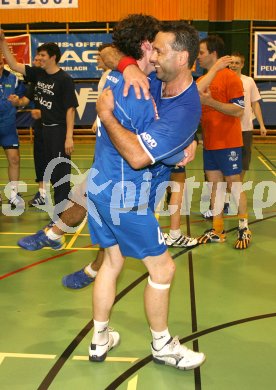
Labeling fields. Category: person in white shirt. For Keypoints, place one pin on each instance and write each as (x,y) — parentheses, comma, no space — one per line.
(252,105)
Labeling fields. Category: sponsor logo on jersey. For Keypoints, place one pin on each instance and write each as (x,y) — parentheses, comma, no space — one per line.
(43,102)
(46,87)
(233,156)
(113,79)
(149,140)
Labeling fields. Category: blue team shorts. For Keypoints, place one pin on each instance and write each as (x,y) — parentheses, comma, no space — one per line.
(137,233)
(9,137)
(228,161)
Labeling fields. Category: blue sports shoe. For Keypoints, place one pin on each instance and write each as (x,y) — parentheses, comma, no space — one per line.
(77,280)
(40,240)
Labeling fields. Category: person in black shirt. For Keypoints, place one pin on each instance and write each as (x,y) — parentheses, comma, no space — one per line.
(57,101)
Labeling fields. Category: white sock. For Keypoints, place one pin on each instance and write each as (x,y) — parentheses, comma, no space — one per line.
(243,223)
(53,236)
(42,192)
(175,233)
(227,198)
(159,339)
(100,335)
(14,191)
(89,270)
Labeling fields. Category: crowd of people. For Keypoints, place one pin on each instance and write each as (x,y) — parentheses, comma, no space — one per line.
(149,108)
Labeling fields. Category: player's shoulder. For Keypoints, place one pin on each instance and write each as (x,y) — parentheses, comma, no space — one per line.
(114,77)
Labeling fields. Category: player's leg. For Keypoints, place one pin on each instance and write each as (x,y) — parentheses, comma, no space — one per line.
(165,349)
(244,234)
(104,294)
(175,238)
(216,234)
(13,157)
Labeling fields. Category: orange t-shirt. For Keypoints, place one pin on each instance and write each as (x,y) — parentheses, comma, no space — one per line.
(221,131)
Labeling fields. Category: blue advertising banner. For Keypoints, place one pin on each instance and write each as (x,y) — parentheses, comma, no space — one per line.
(79,52)
(268,94)
(87,94)
(265,55)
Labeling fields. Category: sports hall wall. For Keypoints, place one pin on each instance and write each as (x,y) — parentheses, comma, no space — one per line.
(111,10)
(234,20)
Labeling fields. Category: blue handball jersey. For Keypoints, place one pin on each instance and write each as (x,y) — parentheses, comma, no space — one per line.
(164,140)
(163,136)
(111,179)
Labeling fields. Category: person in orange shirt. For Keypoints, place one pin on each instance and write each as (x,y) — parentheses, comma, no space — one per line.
(222,107)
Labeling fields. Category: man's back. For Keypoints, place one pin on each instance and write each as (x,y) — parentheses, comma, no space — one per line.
(135,115)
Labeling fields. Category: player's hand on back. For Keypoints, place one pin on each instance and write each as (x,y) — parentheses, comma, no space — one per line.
(105,103)
(133,76)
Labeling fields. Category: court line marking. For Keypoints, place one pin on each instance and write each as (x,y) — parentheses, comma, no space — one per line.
(120,359)
(36,263)
(47,249)
(110,359)
(267,166)
(77,234)
(4,355)
(132,384)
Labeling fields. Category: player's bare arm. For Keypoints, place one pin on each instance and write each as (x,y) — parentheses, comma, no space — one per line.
(13,64)
(124,141)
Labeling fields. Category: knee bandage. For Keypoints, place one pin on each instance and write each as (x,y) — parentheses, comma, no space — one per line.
(157,285)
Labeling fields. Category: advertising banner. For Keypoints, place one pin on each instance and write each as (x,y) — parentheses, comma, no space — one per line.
(265,55)
(20,48)
(87,94)
(79,52)
(28,4)
(268,102)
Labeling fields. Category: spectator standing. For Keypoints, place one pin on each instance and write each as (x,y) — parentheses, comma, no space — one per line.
(222,107)
(57,101)
(251,105)
(9,84)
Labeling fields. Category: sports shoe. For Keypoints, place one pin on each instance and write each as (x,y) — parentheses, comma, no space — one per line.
(49,225)
(244,238)
(208,214)
(211,236)
(97,353)
(181,242)
(77,280)
(16,201)
(40,240)
(177,355)
(38,200)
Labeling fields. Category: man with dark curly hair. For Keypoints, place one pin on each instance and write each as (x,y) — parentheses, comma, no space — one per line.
(138,141)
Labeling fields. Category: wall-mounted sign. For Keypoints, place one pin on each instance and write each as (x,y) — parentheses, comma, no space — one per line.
(28,4)
(265,55)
